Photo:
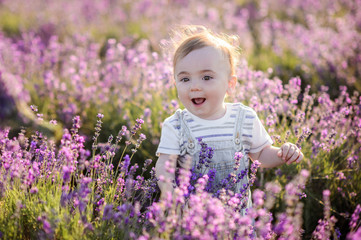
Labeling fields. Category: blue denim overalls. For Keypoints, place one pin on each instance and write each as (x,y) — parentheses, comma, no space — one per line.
(224,150)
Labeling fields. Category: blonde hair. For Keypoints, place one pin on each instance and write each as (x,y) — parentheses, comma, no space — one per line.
(192,37)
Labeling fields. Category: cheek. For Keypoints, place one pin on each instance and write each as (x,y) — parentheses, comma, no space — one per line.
(181,92)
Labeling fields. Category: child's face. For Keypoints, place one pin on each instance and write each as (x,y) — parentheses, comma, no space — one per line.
(202,80)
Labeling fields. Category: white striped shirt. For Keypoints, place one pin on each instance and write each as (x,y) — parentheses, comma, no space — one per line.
(214,130)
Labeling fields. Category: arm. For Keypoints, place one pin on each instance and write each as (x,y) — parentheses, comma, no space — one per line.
(271,156)
(164,170)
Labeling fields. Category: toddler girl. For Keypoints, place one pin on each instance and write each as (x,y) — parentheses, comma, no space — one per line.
(204,66)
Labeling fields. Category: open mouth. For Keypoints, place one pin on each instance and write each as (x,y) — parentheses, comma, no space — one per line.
(198,101)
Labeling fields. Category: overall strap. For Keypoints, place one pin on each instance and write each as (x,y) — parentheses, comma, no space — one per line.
(247,130)
(188,144)
(238,129)
(244,128)
(242,141)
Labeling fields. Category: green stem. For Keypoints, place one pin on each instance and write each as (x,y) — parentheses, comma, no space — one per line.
(120,159)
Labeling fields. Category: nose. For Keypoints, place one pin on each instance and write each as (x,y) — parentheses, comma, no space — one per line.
(196,86)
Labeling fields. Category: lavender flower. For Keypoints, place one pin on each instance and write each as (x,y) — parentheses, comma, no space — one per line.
(66,173)
(238,156)
(34,108)
(98,127)
(108,212)
(355,217)
(137,126)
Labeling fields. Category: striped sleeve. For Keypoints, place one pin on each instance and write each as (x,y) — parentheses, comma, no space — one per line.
(170,137)
(260,137)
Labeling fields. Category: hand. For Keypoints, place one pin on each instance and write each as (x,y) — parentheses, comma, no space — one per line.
(290,153)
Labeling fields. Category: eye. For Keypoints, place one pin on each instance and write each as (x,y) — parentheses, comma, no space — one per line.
(184,79)
(207,78)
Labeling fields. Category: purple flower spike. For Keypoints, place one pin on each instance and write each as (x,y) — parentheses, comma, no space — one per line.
(34,108)
(66,173)
(108,212)
(47,227)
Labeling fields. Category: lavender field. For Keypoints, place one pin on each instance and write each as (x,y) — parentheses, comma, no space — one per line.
(85,86)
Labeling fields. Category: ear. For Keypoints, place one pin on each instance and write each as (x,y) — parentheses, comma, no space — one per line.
(231,84)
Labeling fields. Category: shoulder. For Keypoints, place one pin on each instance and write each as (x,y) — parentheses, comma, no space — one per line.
(174,120)
(241,107)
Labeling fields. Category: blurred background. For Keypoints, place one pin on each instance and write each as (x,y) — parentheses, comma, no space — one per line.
(300,69)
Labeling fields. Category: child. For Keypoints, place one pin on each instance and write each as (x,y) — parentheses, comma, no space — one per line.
(204,66)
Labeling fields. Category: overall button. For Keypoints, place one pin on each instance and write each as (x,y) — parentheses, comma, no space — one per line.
(237,141)
(191,145)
